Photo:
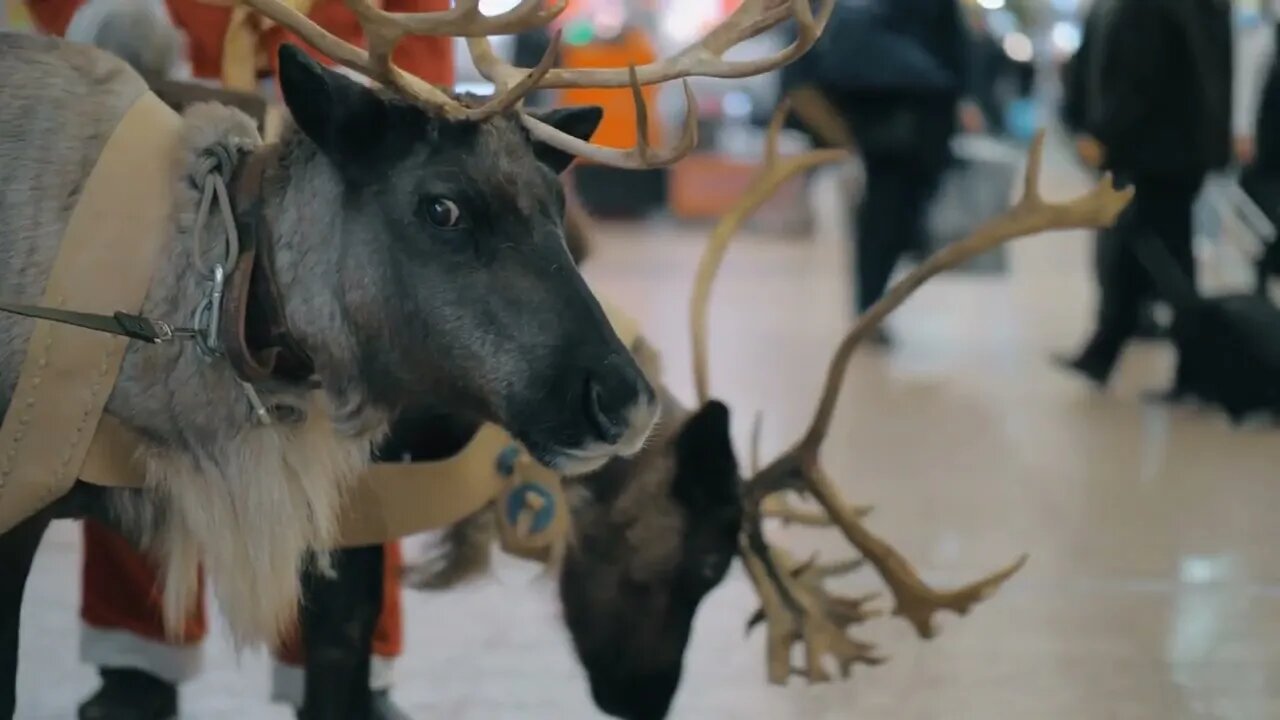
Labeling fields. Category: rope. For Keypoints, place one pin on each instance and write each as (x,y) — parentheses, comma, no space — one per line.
(215,164)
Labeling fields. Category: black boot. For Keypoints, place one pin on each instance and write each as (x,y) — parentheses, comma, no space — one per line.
(131,695)
(384,708)
(1094,371)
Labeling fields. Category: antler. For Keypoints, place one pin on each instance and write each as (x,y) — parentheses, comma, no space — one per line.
(786,591)
(703,58)
(775,171)
(384,30)
(797,608)
(785,603)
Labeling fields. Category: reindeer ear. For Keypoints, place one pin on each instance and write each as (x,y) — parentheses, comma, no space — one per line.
(341,116)
(579,122)
(706,468)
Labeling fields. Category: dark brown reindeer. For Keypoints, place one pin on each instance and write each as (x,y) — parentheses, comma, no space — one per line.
(656,532)
(410,264)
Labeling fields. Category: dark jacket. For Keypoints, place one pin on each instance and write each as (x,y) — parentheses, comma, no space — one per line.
(1267,130)
(1080,68)
(1161,104)
(895,68)
(891,45)
(1261,179)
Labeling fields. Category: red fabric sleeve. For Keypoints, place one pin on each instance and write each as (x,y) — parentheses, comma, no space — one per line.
(52,17)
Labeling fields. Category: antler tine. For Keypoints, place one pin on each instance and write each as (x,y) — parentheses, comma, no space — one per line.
(773,173)
(642,156)
(464,19)
(799,469)
(796,608)
(1029,216)
(384,30)
(704,57)
(512,84)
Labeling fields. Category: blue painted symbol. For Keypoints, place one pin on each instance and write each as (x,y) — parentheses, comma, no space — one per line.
(517,501)
(507,460)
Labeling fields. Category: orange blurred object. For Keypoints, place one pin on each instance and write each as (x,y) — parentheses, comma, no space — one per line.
(705,186)
(618,129)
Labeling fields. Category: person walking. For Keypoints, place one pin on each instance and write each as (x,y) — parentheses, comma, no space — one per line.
(1158,116)
(1079,72)
(888,77)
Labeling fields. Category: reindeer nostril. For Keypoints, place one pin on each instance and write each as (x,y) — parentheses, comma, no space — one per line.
(609,424)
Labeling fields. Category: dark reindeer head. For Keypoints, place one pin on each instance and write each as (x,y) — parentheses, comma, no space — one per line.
(654,536)
(463,291)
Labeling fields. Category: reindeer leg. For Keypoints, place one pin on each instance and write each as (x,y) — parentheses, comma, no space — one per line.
(339,615)
(17,550)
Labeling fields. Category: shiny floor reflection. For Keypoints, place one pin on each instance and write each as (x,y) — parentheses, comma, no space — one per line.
(1153,589)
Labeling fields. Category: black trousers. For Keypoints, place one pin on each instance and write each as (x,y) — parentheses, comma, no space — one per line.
(890,220)
(1161,208)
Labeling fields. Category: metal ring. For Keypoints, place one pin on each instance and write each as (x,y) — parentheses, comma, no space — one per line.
(209,315)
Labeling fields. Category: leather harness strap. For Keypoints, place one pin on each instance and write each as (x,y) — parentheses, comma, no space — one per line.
(106,258)
(253,329)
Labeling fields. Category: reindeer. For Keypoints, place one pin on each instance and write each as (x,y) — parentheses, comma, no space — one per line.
(400,253)
(655,532)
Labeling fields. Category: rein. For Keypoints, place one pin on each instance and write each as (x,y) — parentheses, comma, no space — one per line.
(240,317)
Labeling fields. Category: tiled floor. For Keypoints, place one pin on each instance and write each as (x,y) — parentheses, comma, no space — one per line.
(1152,593)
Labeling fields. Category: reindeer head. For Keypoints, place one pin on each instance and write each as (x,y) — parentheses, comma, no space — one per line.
(653,536)
(461,288)
(446,260)
(659,533)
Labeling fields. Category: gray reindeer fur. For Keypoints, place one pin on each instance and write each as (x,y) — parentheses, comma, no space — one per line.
(216,474)
(252,503)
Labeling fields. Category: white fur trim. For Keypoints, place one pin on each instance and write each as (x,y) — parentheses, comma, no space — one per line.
(123,649)
(287,680)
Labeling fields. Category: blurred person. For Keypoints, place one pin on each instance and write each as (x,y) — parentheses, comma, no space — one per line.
(1257,114)
(989,65)
(1078,85)
(1156,112)
(1077,72)
(1260,178)
(888,78)
(1254,44)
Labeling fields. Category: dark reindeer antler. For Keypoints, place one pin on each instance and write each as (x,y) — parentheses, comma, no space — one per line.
(795,606)
(384,31)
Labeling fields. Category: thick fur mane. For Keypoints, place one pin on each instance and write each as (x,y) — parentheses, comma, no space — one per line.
(252,511)
(251,503)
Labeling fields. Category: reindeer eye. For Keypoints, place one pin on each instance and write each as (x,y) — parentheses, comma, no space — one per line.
(442,212)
